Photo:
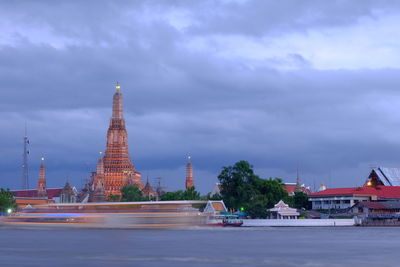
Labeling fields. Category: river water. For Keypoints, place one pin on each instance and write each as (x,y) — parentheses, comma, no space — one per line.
(319,246)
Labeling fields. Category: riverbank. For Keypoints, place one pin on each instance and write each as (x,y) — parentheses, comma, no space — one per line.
(298,223)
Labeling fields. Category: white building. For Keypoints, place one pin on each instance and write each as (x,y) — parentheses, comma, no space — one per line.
(281,210)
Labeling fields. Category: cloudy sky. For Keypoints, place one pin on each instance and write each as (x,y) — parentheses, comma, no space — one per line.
(281,84)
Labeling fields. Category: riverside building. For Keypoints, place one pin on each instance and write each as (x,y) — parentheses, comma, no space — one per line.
(344,198)
(382,184)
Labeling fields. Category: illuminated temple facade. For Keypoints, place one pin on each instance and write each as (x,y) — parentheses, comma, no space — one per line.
(115,168)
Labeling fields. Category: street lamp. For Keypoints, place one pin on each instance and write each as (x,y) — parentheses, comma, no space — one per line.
(9,211)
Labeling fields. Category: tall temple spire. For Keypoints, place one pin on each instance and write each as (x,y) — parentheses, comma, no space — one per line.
(189,174)
(118,168)
(42,180)
(117,104)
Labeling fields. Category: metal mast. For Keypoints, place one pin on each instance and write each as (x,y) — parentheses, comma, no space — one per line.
(25,173)
(298,185)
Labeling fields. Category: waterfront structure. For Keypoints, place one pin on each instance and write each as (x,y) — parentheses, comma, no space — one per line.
(376,213)
(118,168)
(376,207)
(344,198)
(383,176)
(28,198)
(68,194)
(281,210)
(215,207)
(189,182)
(148,192)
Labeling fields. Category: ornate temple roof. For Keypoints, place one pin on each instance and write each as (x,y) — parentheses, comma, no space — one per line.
(148,190)
(215,206)
(283,209)
(388,176)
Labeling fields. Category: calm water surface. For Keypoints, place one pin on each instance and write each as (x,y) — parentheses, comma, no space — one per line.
(340,246)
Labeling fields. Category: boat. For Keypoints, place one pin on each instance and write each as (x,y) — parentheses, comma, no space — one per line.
(224,220)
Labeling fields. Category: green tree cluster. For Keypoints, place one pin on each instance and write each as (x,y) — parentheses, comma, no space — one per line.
(130,193)
(7,200)
(299,201)
(113,198)
(242,189)
(188,194)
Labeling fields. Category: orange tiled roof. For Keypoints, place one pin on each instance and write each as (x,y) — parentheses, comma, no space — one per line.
(218,206)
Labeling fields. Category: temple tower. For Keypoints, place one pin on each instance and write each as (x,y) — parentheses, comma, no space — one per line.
(98,193)
(42,180)
(189,174)
(118,168)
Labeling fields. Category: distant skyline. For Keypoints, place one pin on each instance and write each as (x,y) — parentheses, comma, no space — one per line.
(313,84)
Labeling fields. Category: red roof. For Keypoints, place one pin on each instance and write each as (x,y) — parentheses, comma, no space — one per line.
(51,193)
(292,188)
(379,191)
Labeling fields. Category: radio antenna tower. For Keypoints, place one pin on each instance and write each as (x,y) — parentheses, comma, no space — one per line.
(25,173)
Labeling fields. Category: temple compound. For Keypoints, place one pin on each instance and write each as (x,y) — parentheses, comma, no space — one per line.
(114,169)
(43,195)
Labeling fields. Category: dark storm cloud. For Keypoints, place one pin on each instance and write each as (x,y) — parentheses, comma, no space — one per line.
(260,17)
(60,61)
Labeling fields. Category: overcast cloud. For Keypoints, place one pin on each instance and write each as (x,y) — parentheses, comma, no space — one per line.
(281,84)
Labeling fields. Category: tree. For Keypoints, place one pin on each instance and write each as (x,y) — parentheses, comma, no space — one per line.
(242,189)
(113,198)
(7,200)
(213,197)
(237,184)
(188,194)
(175,195)
(300,201)
(131,193)
(191,194)
(272,189)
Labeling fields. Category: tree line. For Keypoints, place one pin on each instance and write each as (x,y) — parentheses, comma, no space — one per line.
(242,190)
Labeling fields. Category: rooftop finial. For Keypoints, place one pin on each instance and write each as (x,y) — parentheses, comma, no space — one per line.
(118,87)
